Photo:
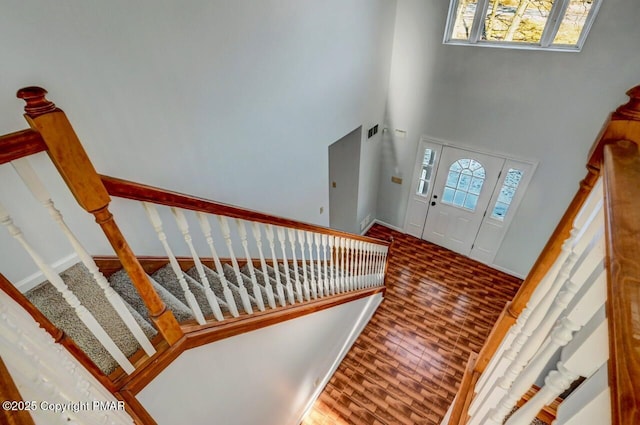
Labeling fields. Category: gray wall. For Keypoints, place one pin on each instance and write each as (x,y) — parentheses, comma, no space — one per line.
(234,101)
(542,106)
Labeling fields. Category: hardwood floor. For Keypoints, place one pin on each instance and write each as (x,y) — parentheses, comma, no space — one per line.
(406,365)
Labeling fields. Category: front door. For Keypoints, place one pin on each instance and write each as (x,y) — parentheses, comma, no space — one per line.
(461,193)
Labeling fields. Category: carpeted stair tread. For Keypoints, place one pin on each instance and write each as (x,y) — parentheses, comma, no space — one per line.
(318,278)
(260,277)
(230,274)
(216,286)
(166,277)
(283,280)
(122,284)
(51,303)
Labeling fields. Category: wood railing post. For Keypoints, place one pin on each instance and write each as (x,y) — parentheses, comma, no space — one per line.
(73,164)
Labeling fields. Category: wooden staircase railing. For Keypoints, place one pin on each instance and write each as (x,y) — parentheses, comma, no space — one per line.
(488,394)
(314,261)
(67,154)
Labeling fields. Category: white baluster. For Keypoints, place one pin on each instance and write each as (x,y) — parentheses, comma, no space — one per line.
(372,265)
(274,260)
(255,227)
(183,225)
(343,277)
(583,356)
(327,287)
(36,187)
(305,281)
(589,404)
(356,264)
(548,317)
(312,274)
(347,269)
(226,234)
(380,257)
(352,264)
(299,288)
(85,316)
(360,264)
(154,217)
(257,292)
(332,264)
(285,265)
(383,266)
(379,265)
(366,264)
(228,295)
(319,280)
(506,352)
(591,299)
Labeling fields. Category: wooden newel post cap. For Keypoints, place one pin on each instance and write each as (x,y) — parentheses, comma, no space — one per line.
(37,103)
(631,109)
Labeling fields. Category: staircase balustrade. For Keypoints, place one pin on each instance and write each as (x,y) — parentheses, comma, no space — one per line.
(263,276)
(81,311)
(214,303)
(228,295)
(156,222)
(297,262)
(39,191)
(580,300)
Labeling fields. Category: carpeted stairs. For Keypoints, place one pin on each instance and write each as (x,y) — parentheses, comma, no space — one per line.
(49,301)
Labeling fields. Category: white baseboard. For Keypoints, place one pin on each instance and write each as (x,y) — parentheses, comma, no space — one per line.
(37,278)
(363,320)
(398,229)
(382,223)
(507,271)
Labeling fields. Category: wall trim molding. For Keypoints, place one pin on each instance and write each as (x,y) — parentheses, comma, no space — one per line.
(507,271)
(382,223)
(38,277)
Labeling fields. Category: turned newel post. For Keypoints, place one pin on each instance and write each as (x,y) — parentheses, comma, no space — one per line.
(73,164)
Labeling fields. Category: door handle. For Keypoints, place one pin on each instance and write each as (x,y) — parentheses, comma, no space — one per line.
(433,203)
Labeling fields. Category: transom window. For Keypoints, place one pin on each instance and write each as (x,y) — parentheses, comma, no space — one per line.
(529,24)
(464,183)
(508,190)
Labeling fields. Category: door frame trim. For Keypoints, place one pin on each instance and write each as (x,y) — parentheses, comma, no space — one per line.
(499,154)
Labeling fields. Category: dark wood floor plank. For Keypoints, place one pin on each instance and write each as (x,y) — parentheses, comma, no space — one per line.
(406,366)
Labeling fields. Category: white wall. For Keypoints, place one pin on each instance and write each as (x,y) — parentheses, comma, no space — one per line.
(268,376)
(234,101)
(542,106)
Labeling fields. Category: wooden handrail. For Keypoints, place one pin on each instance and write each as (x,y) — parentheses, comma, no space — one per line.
(9,392)
(141,192)
(19,144)
(73,164)
(622,209)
